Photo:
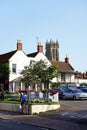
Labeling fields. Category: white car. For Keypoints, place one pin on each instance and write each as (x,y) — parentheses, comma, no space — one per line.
(74,94)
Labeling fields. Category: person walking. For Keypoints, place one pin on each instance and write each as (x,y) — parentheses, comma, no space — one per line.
(22,100)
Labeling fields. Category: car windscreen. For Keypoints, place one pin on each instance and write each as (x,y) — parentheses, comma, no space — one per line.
(77,91)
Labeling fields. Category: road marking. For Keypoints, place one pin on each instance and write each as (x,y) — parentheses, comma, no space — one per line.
(74,115)
(65,113)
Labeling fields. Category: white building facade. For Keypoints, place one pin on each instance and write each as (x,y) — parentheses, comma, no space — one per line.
(18,60)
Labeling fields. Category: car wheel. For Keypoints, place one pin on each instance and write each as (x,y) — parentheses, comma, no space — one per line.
(74,97)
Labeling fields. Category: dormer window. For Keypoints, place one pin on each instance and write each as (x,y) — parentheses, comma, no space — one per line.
(13,68)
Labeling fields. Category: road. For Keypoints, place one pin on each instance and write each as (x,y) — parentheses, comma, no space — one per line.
(72,111)
(71,115)
(13,125)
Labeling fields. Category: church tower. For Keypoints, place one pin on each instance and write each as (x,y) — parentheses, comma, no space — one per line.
(52,50)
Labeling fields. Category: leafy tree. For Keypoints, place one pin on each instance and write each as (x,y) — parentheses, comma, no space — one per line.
(49,74)
(4,74)
(56,84)
(83,84)
(4,71)
(39,72)
(38,69)
(32,74)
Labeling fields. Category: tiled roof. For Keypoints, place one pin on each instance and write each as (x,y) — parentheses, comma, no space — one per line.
(81,75)
(62,66)
(5,57)
(32,54)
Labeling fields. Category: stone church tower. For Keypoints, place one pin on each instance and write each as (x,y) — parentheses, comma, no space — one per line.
(52,50)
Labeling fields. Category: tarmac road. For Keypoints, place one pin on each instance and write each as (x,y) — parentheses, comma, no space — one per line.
(71,116)
(71,111)
(11,125)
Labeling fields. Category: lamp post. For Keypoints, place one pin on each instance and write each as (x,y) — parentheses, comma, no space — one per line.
(28,95)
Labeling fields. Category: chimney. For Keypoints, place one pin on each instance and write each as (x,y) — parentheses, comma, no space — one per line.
(67,60)
(19,45)
(40,48)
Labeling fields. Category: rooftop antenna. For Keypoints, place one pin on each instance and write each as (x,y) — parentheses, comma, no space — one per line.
(37,39)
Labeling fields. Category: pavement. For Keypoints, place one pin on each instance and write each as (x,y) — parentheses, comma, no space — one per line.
(40,120)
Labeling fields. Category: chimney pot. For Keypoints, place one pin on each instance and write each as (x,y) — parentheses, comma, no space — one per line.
(19,45)
(67,60)
(40,47)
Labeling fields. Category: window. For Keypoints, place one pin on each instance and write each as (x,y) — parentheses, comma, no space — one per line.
(14,68)
(31,62)
(62,77)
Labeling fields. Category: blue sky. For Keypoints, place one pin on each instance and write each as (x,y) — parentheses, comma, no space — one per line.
(62,20)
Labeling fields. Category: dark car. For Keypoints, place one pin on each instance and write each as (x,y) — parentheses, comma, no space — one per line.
(65,87)
(83,88)
(60,91)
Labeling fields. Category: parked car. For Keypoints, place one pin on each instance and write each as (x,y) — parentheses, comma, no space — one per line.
(60,91)
(83,88)
(65,87)
(74,94)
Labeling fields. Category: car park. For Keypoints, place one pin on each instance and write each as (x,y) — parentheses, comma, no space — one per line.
(65,87)
(60,91)
(74,94)
(83,88)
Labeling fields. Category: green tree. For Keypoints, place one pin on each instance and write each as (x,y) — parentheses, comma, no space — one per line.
(4,73)
(4,70)
(38,69)
(49,74)
(32,74)
(39,72)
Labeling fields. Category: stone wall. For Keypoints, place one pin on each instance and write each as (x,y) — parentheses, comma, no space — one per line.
(28,109)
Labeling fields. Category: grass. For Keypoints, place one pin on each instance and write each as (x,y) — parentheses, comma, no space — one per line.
(30,103)
(9,101)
